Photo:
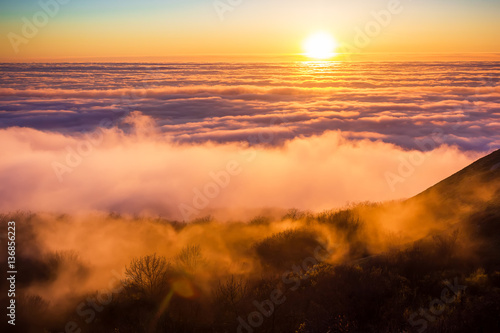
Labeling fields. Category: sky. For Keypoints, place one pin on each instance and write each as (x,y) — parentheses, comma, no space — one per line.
(91,29)
(173,124)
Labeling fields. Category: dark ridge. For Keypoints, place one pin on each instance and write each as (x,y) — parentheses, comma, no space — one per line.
(467,186)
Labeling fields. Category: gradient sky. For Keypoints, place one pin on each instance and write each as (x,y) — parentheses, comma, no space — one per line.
(162,28)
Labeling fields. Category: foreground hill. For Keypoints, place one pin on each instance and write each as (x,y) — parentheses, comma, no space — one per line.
(475,184)
(458,199)
(428,264)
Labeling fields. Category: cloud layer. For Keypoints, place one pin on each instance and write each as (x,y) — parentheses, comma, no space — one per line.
(399,103)
(182,140)
(144,172)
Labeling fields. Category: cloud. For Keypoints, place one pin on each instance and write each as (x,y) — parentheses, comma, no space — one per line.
(143,171)
(145,137)
(224,102)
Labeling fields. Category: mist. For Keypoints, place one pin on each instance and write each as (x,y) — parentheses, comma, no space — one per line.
(142,171)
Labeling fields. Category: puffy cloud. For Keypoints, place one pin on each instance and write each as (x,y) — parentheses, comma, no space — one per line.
(143,171)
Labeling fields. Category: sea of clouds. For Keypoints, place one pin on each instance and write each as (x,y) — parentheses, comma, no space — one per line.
(182,140)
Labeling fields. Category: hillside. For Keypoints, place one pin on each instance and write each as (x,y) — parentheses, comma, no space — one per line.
(459,199)
(365,268)
(477,183)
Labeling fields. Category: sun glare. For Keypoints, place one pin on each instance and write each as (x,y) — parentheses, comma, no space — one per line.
(320,45)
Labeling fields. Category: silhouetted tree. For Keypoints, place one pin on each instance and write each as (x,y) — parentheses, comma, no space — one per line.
(148,276)
(189,258)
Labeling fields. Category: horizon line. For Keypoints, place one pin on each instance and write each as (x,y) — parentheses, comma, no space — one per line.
(291,57)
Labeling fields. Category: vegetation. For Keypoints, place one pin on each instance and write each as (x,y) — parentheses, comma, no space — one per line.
(349,270)
(359,293)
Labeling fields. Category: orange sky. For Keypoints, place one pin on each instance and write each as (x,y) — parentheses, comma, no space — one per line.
(152,28)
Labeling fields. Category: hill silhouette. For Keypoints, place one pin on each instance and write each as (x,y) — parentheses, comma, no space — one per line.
(460,198)
(476,183)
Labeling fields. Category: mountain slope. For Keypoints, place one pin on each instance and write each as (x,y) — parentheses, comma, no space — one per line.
(466,192)
(476,182)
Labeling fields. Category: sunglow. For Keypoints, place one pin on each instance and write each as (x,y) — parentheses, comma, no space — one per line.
(320,45)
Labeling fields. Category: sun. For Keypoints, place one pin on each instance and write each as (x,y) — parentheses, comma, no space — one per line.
(320,45)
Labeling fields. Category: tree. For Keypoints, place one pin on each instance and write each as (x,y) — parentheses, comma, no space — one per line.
(147,276)
(189,258)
